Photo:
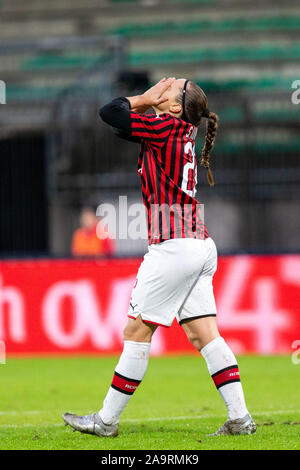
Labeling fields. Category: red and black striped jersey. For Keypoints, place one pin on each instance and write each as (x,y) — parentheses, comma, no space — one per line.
(168,170)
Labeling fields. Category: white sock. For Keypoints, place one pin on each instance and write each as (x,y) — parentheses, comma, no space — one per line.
(223,368)
(129,373)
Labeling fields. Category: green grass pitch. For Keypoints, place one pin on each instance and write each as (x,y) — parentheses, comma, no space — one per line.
(174,408)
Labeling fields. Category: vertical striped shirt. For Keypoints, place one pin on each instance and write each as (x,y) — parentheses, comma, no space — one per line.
(168,170)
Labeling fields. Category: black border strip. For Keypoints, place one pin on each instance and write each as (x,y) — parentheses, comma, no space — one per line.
(126,378)
(235,366)
(228,382)
(122,391)
(198,316)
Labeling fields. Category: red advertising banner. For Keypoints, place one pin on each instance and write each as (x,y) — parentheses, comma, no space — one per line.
(80,307)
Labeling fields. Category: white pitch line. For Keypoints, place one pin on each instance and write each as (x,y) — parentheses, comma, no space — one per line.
(259,413)
(28,425)
(138,420)
(14,412)
(33,412)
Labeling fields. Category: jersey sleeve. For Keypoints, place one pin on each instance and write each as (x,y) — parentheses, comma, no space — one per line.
(125,135)
(151,128)
(136,127)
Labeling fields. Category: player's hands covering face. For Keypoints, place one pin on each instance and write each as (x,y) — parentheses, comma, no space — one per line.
(154,96)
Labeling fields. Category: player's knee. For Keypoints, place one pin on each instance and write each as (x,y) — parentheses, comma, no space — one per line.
(195,340)
(133,331)
(137,330)
(128,333)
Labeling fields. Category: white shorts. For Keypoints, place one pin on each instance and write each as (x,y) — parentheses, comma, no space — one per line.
(175,280)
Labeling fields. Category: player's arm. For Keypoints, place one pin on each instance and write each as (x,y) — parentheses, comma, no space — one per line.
(152,97)
(121,113)
(117,114)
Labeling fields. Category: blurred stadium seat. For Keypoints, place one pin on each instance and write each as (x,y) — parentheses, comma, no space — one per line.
(61,59)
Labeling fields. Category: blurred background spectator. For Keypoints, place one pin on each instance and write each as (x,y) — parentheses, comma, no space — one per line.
(91,239)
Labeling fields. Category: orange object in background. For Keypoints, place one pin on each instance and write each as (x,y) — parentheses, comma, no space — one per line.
(86,243)
(87,240)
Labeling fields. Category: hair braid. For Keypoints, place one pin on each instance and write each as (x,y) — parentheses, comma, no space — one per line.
(211,130)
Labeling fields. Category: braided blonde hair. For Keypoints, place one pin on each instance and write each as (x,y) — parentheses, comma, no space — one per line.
(211,130)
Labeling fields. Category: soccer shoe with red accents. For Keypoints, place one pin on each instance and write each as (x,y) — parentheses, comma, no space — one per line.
(90,424)
(244,425)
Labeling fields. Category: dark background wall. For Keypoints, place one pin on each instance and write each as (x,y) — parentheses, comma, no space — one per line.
(23,203)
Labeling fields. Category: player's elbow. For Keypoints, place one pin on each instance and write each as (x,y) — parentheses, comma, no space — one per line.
(104,113)
(115,115)
(110,114)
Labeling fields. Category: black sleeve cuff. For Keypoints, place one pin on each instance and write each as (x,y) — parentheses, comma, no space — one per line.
(117,114)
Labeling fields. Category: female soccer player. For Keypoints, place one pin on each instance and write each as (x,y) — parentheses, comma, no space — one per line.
(175,277)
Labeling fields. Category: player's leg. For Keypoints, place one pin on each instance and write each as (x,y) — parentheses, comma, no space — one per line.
(130,369)
(201,331)
(156,297)
(128,374)
(198,318)
(221,363)
(223,368)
